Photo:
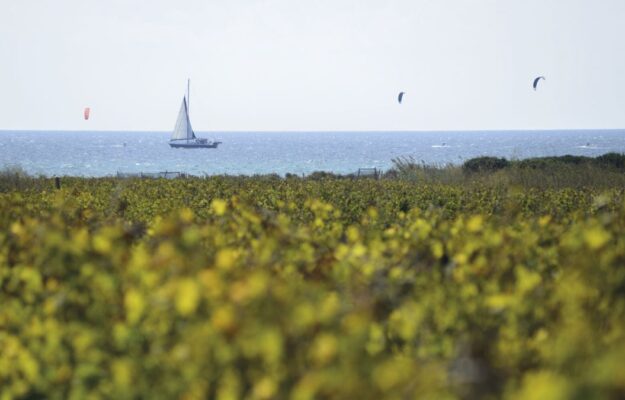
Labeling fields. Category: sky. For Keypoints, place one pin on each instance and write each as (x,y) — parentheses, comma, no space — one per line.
(281,65)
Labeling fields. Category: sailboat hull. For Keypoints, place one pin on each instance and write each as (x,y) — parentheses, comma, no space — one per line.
(194,145)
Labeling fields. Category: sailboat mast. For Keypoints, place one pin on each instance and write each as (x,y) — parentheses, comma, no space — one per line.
(188,94)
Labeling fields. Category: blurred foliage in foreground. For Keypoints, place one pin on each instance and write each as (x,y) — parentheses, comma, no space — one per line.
(265,288)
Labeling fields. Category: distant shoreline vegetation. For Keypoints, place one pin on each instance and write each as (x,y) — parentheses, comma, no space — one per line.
(607,170)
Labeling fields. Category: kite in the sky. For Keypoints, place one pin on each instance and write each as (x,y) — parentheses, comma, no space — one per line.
(87,112)
(538,80)
(400,97)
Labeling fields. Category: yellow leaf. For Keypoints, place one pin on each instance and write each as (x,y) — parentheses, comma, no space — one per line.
(324,348)
(187,297)
(134,304)
(102,244)
(544,385)
(223,319)
(122,373)
(437,249)
(219,206)
(475,223)
(596,238)
(186,215)
(225,258)
(265,388)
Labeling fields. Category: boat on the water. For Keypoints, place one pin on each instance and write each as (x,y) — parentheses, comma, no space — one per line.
(183,135)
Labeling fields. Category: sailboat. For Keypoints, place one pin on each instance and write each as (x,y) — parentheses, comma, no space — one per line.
(183,135)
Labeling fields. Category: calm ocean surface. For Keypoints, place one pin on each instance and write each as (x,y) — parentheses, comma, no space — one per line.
(105,153)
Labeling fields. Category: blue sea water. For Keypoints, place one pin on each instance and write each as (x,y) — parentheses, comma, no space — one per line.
(58,153)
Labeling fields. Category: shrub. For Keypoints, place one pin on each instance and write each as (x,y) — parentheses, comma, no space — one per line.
(552,162)
(484,164)
(614,160)
(319,175)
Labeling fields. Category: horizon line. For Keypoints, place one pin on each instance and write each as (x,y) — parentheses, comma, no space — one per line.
(322,130)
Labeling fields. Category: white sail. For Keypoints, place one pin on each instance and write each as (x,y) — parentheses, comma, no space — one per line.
(183,129)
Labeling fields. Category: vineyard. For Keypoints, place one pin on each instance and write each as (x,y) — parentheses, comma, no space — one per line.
(263,287)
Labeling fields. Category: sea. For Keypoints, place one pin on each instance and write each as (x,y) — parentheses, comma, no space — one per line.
(100,153)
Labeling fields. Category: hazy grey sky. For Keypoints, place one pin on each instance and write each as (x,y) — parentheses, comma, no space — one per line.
(312,65)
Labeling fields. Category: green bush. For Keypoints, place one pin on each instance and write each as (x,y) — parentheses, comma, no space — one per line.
(484,164)
(553,162)
(614,160)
